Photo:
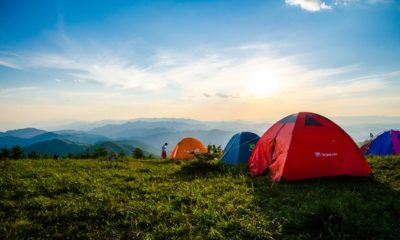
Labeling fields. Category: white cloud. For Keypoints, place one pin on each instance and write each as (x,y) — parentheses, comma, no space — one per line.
(223,95)
(309,5)
(8,64)
(16,90)
(236,75)
(231,80)
(358,2)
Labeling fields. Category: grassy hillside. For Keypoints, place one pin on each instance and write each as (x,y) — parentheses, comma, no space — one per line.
(162,200)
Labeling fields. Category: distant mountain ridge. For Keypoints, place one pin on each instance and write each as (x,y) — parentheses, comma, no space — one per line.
(144,128)
(151,133)
(140,128)
(56,147)
(125,146)
(23,133)
(216,137)
(62,147)
(79,137)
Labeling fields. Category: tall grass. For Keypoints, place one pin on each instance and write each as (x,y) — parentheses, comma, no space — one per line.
(154,199)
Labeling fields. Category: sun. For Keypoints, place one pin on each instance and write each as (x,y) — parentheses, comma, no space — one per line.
(263,85)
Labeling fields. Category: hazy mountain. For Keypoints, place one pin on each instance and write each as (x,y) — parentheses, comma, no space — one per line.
(23,133)
(112,147)
(152,133)
(86,126)
(9,141)
(183,120)
(140,144)
(62,147)
(56,147)
(367,120)
(43,137)
(144,128)
(360,132)
(239,126)
(140,129)
(80,136)
(216,137)
(125,146)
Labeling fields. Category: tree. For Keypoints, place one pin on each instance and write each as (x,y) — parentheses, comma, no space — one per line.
(121,154)
(4,153)
(33,155)
(17,152)
(112,156)
(138,153)
(100,152)
(86,154)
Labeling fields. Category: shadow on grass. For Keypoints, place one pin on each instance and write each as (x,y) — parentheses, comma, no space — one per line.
(157,161)
(330,208)
(207,169)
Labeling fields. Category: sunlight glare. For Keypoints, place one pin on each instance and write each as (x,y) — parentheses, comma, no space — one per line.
(262,85)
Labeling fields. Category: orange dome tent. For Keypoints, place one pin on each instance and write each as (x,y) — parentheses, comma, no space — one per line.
(186,149)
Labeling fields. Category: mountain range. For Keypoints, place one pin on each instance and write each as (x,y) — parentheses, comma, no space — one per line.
(150,134)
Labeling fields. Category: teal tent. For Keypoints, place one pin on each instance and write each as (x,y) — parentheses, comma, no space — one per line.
(239,148)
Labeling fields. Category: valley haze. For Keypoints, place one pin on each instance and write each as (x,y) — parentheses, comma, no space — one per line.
(150,134)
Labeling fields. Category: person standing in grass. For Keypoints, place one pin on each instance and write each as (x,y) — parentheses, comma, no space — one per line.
(164,151)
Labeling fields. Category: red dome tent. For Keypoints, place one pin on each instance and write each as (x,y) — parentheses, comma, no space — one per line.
(307,145)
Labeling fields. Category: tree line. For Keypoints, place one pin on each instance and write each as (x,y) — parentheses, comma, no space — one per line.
(17,152)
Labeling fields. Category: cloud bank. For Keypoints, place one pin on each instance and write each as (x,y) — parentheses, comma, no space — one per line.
(309,5)
(318,5)
(224,73)
(248,78)
(228,73)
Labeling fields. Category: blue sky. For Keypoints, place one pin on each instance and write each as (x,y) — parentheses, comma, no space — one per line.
(209,60)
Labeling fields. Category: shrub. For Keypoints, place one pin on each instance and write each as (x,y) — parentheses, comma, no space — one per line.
(212,153)
(5,153)
(33,155)
(100,152)
(137,153)
(121,155)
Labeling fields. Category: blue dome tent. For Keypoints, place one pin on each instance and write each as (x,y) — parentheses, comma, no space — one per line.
(388,143)
(239,148)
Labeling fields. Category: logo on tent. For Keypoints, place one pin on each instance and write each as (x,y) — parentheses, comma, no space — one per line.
(252,146)
(320,154)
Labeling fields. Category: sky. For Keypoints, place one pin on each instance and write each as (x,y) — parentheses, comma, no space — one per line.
(255,60)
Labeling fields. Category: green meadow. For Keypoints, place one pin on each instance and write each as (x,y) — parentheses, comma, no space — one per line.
(154,199)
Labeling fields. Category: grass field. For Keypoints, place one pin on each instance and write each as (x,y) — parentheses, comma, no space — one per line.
(153,199)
